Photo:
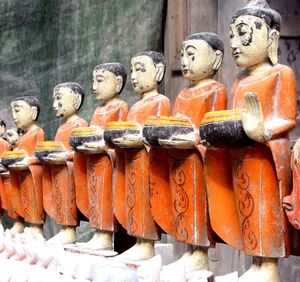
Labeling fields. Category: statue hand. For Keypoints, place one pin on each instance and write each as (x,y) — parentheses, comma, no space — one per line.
(56,157)
(129,141)
(253,119)
(181,141)
(92,146)
(20,165)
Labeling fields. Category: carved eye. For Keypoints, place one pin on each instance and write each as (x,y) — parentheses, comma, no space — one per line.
(242,30)
(190,53)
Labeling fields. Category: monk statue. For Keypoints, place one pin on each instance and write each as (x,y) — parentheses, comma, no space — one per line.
(26,172)
(201,57)
(58,179)
(131,195)
(13,138)
(4,146)
(246,185)
(93,165)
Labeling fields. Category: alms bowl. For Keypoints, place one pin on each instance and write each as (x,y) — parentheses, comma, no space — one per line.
(45,148)
(11,157)
(123,134)
(223,129)
(81,135)
(164,128)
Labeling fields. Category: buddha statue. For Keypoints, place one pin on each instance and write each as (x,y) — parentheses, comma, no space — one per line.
(4,146)
(246,186)
(94,174)
(201,58)
(132,194)
(58,176)
(13,137)
(26,172)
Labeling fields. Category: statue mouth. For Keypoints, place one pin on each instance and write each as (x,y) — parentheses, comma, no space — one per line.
(134,84)
(236,54)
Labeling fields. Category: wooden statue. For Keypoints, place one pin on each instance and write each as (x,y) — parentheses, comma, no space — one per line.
(13,138)
(246,185)
(201,57)
(26,172)
(4,146)
(94,174)
(58,179)
(291,202)
(131,197)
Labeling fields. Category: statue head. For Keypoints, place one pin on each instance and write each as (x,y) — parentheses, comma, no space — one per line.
(25,111)
(67,99)
(201,55)
(254,34)
(147,71)
(2,127)
(108,80)
(12,137)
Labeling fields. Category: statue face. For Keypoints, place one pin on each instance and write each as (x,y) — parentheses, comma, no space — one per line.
(197,58)
(12,137)
(22,114)
(143,74)
(64,102)
(104,84)
(249,41)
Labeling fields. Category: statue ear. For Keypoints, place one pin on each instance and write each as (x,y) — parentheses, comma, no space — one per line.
(273,46)
(119,85)
(218,60)
(34,113)
(77,101)
(159,72)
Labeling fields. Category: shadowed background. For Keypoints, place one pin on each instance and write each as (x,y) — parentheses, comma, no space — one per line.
(44,43)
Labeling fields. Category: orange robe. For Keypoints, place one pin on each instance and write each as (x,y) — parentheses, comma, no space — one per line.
(94,176)
(26,185)
(189,211)
(4,184)
(58,180)
(246,186)
(132,208)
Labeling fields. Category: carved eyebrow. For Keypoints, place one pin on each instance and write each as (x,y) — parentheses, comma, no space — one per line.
(190,46)
(16,105)
(241,24)
(139,63)
(99,76)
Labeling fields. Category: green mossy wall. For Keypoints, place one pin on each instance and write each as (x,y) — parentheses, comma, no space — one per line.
(46,42)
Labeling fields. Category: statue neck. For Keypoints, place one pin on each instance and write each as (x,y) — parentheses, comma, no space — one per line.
(202,82)
(71,117)
(112,100)
(30,127)
(150,93)
(259,67)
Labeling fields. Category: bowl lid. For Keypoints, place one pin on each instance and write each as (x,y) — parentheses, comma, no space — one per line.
(167,121)
(49,145)
(14,154)
(86,131)
(122,125)
(219,116)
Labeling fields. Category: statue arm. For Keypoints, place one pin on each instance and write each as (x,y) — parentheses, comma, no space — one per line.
(284,116)
(219,102)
